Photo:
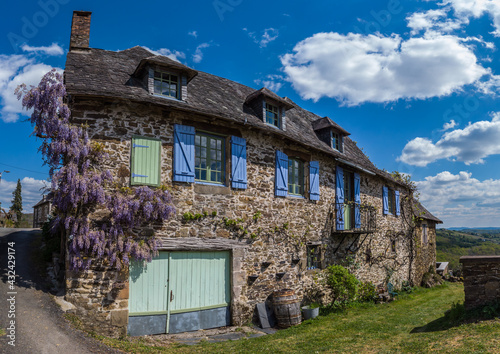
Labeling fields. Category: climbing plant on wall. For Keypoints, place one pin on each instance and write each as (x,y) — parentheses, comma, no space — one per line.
(82,190)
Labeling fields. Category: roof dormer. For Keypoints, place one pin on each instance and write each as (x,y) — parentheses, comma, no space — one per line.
(165,77)
(330,132)
(269,107)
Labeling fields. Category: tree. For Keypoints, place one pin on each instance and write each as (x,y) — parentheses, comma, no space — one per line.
(17,203)
(97,218)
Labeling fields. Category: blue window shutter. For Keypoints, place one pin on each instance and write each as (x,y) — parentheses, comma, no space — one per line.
(339,197)
(385,200)
(314,180)
(357,201)
(183,153)
(238,162)
(281,184)
(398,208)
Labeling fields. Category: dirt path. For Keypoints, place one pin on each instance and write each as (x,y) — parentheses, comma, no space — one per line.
(39,325)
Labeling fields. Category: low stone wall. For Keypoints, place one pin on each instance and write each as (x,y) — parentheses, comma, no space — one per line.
(481,280)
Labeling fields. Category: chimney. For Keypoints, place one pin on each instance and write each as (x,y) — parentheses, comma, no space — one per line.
(80,30)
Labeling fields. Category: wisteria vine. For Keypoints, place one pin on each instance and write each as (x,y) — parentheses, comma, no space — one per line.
(81,189)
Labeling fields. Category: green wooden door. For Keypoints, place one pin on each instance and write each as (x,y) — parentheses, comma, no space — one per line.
(199,280)
(148,287)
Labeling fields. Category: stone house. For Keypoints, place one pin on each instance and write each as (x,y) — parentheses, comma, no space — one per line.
(267,194)
(41,211)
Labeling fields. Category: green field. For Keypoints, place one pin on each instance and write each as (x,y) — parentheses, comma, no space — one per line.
(414,323)
(451,245)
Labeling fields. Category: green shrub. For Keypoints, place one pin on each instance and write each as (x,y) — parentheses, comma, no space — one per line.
(367,292)
(342,284)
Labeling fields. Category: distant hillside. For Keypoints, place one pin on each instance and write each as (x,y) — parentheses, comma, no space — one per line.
(451,244)
(473,228)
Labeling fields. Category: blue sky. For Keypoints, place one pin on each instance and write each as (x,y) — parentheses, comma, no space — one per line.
(416,83)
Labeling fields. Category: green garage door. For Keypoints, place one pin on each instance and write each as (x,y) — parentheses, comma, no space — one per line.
(179,292)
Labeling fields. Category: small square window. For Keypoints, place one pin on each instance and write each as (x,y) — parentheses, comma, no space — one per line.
(166,84)
(313,256)
(336,141)
(273,115)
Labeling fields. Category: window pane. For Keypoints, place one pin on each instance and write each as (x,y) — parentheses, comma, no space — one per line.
(173,78)
(157,87)
(157,75)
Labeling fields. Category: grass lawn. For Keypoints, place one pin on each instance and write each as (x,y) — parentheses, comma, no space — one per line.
(414,323)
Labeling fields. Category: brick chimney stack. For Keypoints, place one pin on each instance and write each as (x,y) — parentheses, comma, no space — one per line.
(80,30)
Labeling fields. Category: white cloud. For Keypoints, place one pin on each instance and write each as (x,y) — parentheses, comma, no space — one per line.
(476,8)
(193,34)
(461,200)
(15,70)
(357,68)
(272,82)
(267,36)
(31,192)
(198,54)
(172,54)
(433,20)
(470,145)
(54,49)
(447,126)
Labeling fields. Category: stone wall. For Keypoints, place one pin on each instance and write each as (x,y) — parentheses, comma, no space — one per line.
(481,280)
(425,252)
(275,230)
(101,298)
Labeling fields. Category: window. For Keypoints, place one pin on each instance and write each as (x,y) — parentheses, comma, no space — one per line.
(391,202)
(393,246)
(209,158)
(425,236)
(295,177)
(348,200)
(336,141)
(313,256)
(166,84)
(272,115)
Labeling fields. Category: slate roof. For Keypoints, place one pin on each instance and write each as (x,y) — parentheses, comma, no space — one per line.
(105,73)
(423,213)
(326,122)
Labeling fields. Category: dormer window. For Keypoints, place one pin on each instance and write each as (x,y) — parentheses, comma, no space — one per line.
(164,77)
(166,84)
(269,107)
(330,133)
(273,115)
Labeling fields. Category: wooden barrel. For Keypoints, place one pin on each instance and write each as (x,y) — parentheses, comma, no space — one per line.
(286,308)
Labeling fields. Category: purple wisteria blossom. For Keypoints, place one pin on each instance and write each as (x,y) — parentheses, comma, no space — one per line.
(81,187)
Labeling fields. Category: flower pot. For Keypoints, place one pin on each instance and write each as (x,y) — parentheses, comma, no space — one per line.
(309,312)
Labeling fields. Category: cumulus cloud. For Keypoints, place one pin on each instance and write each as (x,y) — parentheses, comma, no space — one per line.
(267,36)
(470,145)
(272,82)
(461,200)
(198,54)
(193,34)
(15,70)
(172,54)
(54,49)
(357,68)
(31,192)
